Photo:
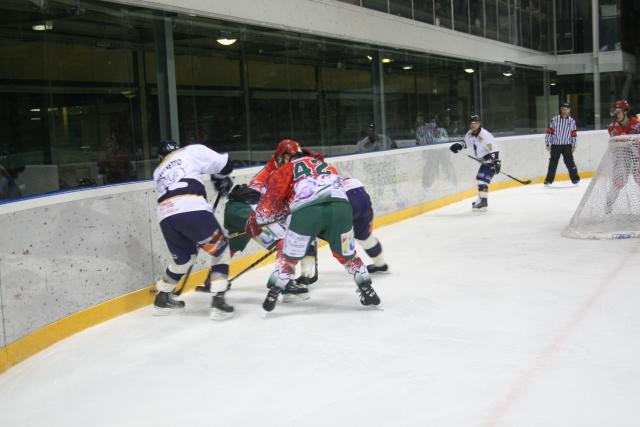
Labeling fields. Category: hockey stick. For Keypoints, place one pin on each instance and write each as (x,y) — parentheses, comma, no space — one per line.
(271,250)
(523,182)
(238,234)
(242,233)
(178,290)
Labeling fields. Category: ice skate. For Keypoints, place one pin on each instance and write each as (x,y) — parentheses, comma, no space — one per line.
(304,280)
(294,292)
(204,288)
(372,268)
(272,298)
(368,295)
(165,304)
(479,205)
(220,310)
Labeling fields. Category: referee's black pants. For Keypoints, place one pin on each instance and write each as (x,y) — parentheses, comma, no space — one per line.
(566,150)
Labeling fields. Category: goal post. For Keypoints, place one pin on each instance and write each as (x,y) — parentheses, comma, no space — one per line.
(610,208)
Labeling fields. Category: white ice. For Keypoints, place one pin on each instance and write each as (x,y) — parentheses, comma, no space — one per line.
(488,320)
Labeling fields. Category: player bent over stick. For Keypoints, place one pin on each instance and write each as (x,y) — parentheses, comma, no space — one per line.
(312,191)
(484,148)
(242,201)
(187,221)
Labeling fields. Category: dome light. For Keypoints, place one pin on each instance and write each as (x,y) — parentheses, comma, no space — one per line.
(226,42)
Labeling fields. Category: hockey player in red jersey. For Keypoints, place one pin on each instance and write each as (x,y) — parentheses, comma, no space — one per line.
(622,123)
(310,190)
(626,158)
(295,289)
(259,181)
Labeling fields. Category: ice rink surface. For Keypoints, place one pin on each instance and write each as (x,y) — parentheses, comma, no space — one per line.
(487,319)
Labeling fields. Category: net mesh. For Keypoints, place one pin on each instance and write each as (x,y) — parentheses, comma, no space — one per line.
(610,208)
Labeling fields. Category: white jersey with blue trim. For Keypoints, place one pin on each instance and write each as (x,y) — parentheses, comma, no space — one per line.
(179,184)
(482,144)
(351,183)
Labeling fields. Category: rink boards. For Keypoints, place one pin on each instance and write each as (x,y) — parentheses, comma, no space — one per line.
(69,261)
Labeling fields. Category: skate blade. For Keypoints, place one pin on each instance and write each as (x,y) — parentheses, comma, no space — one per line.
(288,298)
(478,209)
(218,315)
(164,311)
(372,307)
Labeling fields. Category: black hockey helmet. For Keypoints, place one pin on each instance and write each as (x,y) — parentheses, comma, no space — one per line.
(474,118)
(565,105)
(167,146)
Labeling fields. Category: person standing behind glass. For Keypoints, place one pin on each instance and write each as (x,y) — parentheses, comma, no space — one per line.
(374,141)
(424,135)
(561,141)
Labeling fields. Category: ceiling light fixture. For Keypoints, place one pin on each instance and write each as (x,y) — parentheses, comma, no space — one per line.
(387,60)
(408,67)
(45,26)
(226,42)
(370,58)
(469,70)
(507,74)
(552,84)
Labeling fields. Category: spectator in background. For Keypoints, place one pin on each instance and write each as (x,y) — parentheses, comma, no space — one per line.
(441,137)
(425,132)
(561,140)
(115,164)
(374,141)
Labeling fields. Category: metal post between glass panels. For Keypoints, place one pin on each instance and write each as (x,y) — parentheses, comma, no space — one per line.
(166,75)
(378,93)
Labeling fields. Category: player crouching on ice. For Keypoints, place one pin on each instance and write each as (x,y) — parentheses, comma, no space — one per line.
(484,148)
(312,191)
(187,221)
(243,200)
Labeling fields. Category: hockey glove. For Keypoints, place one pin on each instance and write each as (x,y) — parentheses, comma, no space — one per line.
(244,194)
(222,184)
(252,228)
(456,147)
(497,164)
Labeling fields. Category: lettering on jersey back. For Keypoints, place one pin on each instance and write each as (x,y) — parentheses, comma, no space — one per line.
(310,167)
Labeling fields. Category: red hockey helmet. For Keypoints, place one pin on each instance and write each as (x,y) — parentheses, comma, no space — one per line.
(290,147)
(622,105)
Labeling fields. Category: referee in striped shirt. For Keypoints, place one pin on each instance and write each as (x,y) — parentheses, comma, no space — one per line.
(561,140)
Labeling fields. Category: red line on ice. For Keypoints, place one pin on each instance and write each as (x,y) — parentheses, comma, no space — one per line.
(518,387)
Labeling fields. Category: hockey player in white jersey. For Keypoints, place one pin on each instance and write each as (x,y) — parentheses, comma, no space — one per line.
(187,221)
(484,147)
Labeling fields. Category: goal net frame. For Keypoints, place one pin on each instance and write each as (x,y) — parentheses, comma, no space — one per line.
(610,207)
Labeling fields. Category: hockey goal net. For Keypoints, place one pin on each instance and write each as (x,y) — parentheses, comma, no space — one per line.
(610,208)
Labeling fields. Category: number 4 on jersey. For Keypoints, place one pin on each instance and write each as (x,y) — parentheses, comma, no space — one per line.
(309,167)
